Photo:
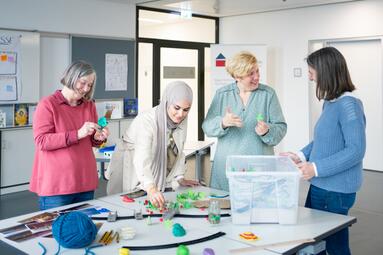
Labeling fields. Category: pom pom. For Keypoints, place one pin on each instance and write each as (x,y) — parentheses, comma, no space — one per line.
(74,230)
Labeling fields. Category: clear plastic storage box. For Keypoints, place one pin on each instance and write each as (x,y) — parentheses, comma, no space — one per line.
(263,189)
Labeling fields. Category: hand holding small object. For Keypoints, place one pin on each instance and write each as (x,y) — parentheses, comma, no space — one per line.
(156,197)
(102,134)
(88,128)
(261,128)
(231,120)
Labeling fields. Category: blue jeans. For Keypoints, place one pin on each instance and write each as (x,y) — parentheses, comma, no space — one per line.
(49,202)
(335,202)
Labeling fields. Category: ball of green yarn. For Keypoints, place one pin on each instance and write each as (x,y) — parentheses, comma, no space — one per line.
(182,250)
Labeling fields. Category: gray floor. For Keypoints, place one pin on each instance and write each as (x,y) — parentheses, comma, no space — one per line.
(365,236)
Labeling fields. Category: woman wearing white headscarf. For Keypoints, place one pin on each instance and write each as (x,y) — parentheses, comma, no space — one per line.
(150,156)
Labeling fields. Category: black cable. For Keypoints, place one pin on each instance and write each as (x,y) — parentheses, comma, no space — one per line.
(178,215)
(175,245)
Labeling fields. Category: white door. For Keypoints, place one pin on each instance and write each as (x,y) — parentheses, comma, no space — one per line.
(364,60)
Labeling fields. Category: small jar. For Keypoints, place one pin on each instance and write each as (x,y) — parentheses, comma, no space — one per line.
(214,215)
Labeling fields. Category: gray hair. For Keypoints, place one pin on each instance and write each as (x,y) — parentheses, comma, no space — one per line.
(75,71)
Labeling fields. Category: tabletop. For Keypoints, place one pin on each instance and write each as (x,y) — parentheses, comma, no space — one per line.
(311,224)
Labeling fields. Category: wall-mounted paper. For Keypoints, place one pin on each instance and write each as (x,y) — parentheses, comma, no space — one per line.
(116,72)
(8,88)
(8,62)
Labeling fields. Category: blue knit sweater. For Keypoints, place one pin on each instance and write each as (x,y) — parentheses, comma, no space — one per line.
(339,145)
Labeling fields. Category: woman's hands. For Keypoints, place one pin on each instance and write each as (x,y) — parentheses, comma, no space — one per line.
(291,155)
(156,197)
(231,120)
(102,134)
(261,128)
(306,168)
(188,183)
(88,128)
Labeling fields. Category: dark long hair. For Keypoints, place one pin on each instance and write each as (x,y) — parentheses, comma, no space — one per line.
(333,77)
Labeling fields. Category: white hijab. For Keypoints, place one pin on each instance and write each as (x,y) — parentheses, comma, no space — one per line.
(175,92)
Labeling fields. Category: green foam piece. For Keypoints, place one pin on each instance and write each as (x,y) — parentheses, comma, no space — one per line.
(260,117)
(182,250)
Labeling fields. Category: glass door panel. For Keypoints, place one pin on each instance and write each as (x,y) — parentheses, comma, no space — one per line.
(182,64)
(145,76)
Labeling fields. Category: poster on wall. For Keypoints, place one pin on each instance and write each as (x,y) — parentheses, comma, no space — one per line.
(220,53)
(116,72)
(10,73)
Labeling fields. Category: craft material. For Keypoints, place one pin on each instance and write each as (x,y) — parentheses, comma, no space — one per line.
(43,247)
(127,233)
(272,245)
(103,237)
(138,214)
(260,117)
(178,230)
(185,199)
(182,250)
(124,251)
(212,195)
(175,245)
(249,236)
(208,251)
(180,215)
(127,199)
(214,214)
(102,122)
(149,221)
(168,224)
(74,230)
(112,216)
(223,203)
(170,210)
(108,237)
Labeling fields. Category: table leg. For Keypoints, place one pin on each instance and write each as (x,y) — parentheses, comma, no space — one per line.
(198,163)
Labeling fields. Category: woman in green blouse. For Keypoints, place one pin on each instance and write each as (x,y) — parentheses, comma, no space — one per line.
(245,116)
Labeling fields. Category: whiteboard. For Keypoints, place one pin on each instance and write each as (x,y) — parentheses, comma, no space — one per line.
(29,88)
(364,61)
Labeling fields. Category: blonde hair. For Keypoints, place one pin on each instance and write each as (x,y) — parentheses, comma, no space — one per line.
(241,64)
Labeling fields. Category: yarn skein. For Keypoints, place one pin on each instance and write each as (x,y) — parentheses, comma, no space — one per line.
(74,230)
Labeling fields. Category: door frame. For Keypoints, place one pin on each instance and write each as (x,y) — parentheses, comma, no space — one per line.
(158,44)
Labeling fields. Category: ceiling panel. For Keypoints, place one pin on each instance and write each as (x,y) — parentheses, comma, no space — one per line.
(224,8)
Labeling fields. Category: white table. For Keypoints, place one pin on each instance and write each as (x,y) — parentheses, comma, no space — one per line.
(197,149)
(311,224)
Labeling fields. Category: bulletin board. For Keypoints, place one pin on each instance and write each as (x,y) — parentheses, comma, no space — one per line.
(114,62)
(20,67)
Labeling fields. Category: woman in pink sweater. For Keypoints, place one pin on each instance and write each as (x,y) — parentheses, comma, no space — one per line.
(65,130)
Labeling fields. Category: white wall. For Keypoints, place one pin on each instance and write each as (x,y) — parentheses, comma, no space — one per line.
(287,34)
(85,17)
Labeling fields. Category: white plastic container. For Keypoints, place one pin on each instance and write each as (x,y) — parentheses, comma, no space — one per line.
(263,189)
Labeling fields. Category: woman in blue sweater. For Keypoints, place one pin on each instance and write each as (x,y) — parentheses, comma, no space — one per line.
(332,162)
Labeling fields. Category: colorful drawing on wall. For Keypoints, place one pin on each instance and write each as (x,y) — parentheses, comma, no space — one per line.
(21,114)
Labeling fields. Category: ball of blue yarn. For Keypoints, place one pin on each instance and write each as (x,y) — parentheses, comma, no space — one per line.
(74,230)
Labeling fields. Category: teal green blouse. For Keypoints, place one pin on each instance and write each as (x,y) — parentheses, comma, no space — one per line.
(263,102)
